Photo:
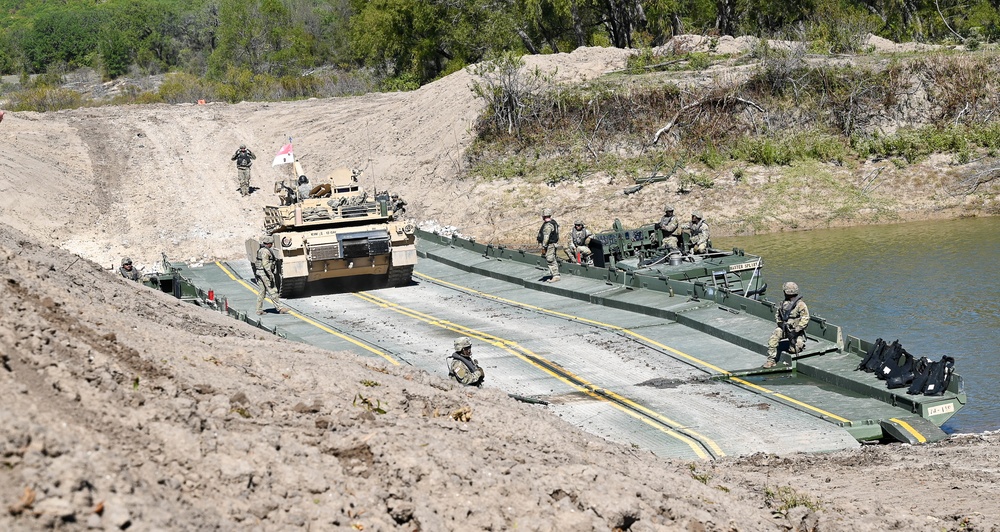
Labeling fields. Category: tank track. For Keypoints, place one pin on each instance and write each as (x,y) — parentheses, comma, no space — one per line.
(400,276)
(294,287)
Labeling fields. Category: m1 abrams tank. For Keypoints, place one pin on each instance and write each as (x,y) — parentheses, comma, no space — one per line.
(338,231)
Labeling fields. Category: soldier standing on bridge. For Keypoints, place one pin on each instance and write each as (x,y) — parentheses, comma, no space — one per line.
(548,238)
(266,270)
(244,160)
(462,367)
(792,317)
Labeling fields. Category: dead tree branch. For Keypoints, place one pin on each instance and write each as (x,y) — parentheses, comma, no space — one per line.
(980,178)
(698,104)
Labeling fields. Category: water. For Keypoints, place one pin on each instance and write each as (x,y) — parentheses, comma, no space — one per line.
(935,286)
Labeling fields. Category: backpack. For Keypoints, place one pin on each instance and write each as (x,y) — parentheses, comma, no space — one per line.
(890,360)
(903,374)
(869,363)
(939,376)
(921,371)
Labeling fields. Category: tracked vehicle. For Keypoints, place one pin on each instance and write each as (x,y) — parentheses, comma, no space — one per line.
(338,231)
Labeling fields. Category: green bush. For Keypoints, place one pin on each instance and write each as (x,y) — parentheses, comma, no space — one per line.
(43,99)
(762,150)
(180,87)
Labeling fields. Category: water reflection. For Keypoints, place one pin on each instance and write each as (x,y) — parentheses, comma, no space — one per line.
(933,285)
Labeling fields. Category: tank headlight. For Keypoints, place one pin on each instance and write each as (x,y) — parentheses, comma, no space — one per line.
(408,229)
(286,241)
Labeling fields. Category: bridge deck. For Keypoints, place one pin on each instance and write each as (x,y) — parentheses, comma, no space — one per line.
(629,377)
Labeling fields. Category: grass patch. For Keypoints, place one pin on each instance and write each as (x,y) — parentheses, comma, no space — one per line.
(784,498)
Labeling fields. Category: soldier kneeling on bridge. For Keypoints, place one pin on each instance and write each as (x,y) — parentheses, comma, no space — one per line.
(792,317)
(462,367)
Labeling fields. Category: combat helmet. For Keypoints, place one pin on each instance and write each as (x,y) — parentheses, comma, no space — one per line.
(696,214)
(243,146)
(462,343)
(578,222)
(126,261)
(790,289)
(547,212)
(267,240)
(668,208)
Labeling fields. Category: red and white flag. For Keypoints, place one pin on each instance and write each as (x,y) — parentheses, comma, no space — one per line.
(285,156)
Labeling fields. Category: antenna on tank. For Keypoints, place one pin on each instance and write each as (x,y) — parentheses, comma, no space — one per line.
(368,134)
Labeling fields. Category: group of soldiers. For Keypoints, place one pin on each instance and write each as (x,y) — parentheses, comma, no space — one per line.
(672,230)
(791,316)
(580,238)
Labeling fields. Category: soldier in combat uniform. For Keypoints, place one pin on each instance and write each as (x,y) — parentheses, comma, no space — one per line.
(580,238)
(699,233)
(462,367)
(127,271)
(398,205)
(244,160)
(670,227)
(792,317)
(266,271)
(548,238)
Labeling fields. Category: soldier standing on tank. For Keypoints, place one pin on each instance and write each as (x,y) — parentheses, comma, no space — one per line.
(304,188)
(670,227)
(266,271)
(548,238)
(792,317)
(699,233)
(579,241)
(462,367)
(244,160)
(127,271)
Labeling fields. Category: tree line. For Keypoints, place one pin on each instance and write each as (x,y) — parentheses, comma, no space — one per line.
(406,43)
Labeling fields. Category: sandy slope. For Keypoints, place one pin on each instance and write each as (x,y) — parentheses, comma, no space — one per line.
(141,180)
(124,408)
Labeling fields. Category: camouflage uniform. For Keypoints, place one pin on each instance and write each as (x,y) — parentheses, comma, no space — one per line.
(267,266)
(792,317)
(244,160)
(699,233)
(548,237)
(670,228)
(127,271)
(304,187)
(580,242)
(398,206)
(462,367)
